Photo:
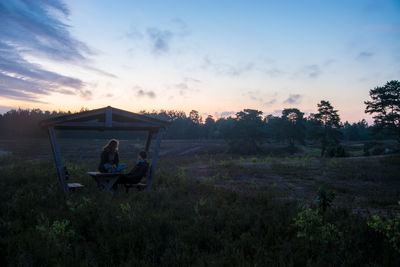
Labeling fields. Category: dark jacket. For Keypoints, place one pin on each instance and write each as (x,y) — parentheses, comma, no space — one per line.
(105,158)
(140,170)
(135,175)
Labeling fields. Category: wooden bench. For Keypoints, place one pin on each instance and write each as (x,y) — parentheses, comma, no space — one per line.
(104,180)
(74,186)
(107,180)
(138,186)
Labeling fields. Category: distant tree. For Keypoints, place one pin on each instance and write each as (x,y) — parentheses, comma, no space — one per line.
(247,132)
(273,127)
(385,105)
(293,128)
(330,123)
(210,127)
(356,131)
(195,117)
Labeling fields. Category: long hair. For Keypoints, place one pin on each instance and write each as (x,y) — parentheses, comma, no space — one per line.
(112,143)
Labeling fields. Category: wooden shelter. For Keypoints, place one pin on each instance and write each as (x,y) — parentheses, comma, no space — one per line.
(103,119)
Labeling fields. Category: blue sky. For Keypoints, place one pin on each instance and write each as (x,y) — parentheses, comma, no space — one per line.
(217,57)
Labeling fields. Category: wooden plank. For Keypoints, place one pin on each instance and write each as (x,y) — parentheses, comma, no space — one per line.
(108,121)
(154,159)
(100,126)
(103,174)
(141,117)
(58,160)
(65,118)
(148,141)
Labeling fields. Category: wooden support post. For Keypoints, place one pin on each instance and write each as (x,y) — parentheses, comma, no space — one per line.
(154,159)
(57,159)
(148,141)
(108,120)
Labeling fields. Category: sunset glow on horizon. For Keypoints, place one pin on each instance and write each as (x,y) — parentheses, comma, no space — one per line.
(216,57)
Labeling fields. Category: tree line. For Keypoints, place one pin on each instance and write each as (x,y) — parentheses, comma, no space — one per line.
(249,128)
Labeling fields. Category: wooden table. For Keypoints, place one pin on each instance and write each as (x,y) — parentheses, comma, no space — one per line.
(105,180)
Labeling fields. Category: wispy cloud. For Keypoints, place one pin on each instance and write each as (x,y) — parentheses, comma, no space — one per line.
(383,28)
(364,55)
(4,109)
(225,68)
(270,102)
(224,114)
(183,88)
(311,71)
(188,85)
(293,99)
(274,72)
(160,39)
(143,93)
(254,95)
(36,28)
(277,112)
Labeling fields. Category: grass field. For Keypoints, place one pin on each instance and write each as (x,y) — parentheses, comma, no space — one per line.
(207,208)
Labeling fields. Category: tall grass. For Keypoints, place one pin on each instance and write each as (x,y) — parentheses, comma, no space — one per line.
(180,222)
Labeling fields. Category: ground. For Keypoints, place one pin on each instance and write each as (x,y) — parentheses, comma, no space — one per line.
(207,207)
(363,184)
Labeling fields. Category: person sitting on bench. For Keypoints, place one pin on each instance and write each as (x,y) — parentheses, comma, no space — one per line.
(137,173)
(109,159)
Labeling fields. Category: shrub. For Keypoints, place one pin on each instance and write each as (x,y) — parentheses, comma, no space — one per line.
(390,228)
(336,150)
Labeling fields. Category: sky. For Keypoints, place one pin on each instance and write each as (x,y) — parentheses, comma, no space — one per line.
(216,57)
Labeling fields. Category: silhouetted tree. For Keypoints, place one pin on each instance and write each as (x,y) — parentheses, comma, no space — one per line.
(293,126)
(247,132)
(195,117)
(356,131)
(210,127)
(330,122)
(385,105)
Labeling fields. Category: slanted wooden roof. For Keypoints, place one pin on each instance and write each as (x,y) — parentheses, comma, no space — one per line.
(107,118)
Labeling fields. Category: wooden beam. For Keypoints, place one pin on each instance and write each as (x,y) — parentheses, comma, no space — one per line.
(102,128)
(154,159)
(57,159)
(148,141)
(81,115)
(140,117)
(108,121)
(101,124)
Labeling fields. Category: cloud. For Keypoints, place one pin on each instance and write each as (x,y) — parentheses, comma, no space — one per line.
(4,109)
(227,69)
(293,99)
(364,56)
(186,86)
(183,88)
(181,27)
(274,72)
(160,39)
(143,93)
(36,28)
(393,28)
(254,95)
(277,112)
(226,113)
(189,79)
(311,71)
(373,7)
(270,102)
(134,33)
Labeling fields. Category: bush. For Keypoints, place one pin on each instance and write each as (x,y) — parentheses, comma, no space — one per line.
(336,150)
